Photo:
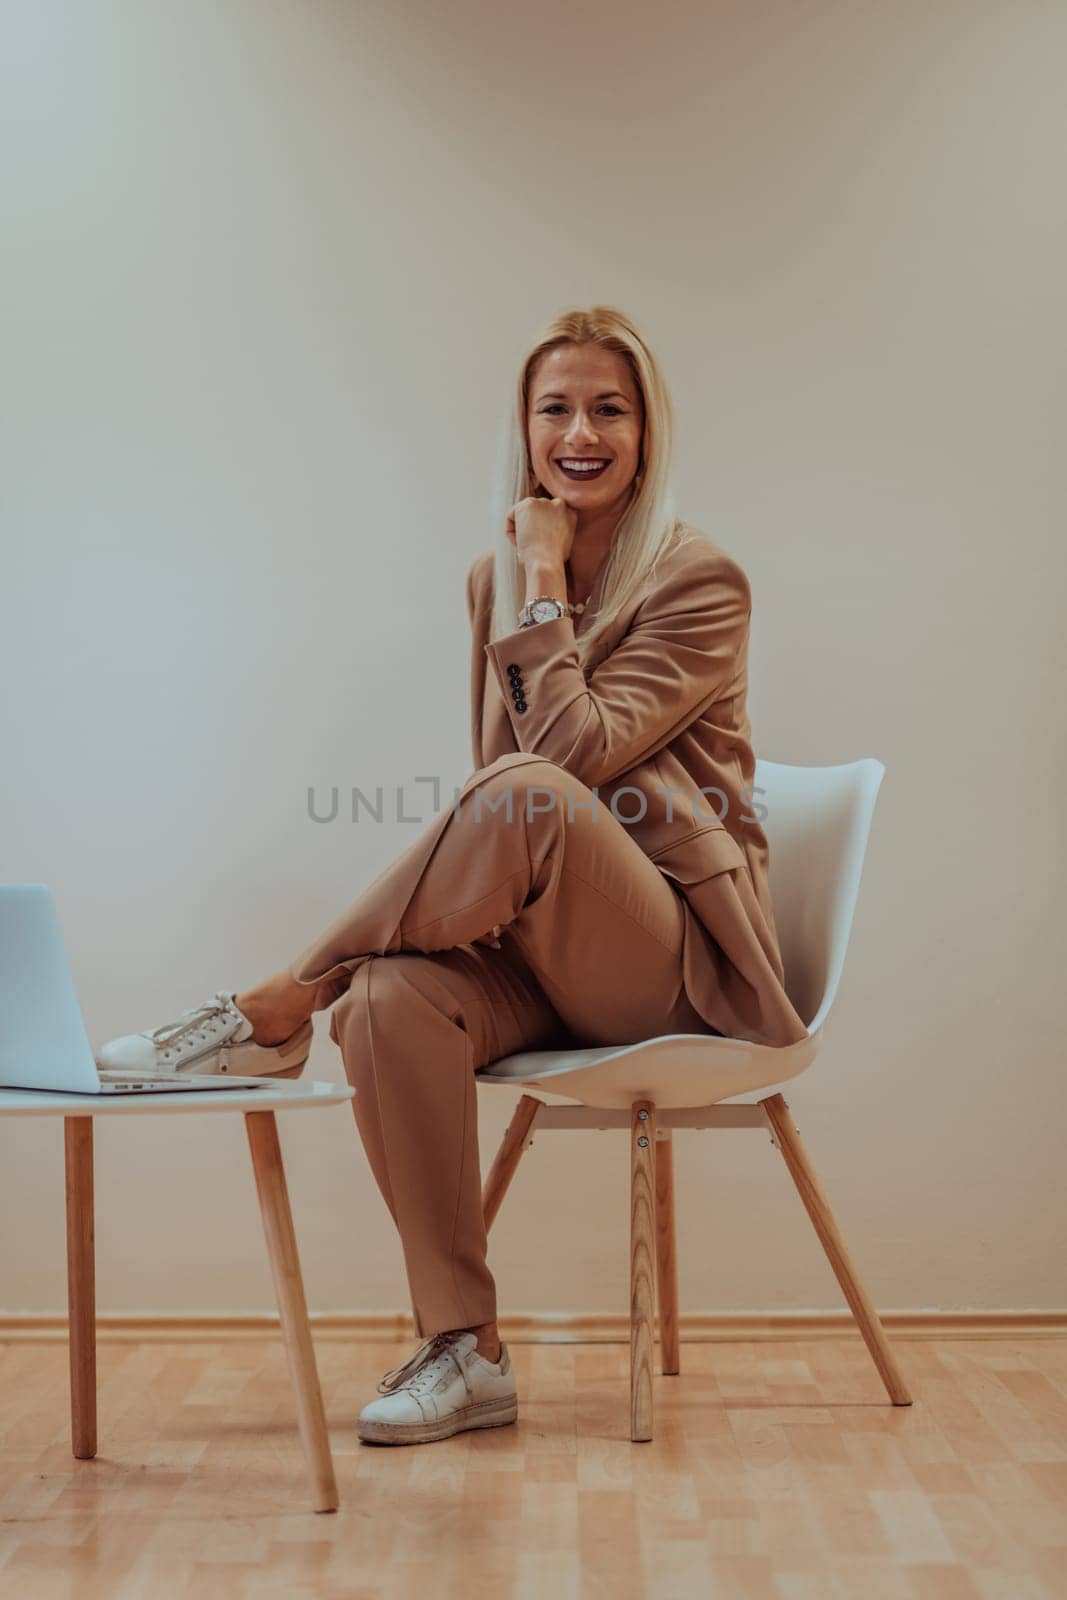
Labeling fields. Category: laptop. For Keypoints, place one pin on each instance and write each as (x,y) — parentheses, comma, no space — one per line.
(43,1042)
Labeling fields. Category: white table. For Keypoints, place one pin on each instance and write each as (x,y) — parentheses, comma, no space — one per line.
(259,1106)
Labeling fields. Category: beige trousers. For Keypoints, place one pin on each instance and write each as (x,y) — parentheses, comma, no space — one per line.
(591,954)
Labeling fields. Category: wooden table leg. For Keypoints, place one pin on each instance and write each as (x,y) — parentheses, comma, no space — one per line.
(292,1306)
(81,1284)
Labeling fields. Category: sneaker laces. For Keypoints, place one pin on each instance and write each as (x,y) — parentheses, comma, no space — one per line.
(193,1020)
(413,1374)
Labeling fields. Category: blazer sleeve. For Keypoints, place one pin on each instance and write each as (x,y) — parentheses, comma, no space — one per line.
(682,652)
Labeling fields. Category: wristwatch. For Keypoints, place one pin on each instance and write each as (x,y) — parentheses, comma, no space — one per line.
(544,608)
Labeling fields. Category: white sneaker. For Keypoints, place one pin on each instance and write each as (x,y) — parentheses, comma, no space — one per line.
(445,1387)
(214,1037)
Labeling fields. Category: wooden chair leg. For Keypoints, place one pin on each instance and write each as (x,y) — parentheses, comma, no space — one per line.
(292,1306)
(666,1254)
(642,1264)
(509,1155)
(81,1284)
(818,1209)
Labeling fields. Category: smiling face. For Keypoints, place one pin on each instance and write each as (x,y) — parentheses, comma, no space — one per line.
(585,407)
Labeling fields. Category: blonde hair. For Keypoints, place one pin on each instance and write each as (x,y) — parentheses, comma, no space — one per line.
(648,523)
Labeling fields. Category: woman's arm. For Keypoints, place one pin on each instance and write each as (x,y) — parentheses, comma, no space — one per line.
(682,653)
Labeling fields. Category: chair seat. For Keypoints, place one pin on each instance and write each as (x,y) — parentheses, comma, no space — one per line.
(675,1070)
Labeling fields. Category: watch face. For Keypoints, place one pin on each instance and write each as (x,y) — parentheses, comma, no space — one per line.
(546,610)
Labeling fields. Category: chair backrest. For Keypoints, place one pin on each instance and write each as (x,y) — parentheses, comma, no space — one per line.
(817,825)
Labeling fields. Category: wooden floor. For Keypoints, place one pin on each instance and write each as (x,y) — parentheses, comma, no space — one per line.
(778,1469)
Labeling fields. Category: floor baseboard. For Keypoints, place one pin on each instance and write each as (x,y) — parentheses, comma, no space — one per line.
(548,1328)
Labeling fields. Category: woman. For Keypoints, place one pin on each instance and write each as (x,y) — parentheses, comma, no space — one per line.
(582,889)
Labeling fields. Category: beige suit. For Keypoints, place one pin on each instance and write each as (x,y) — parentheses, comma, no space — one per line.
(631,904)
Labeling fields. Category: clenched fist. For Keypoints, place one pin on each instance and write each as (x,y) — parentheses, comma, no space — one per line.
(542,531)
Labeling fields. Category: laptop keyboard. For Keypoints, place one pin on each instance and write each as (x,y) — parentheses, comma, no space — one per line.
(201,1081)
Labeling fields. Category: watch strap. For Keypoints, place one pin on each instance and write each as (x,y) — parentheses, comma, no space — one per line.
(526,616)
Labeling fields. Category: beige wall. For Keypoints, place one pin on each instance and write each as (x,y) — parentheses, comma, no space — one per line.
(270,268)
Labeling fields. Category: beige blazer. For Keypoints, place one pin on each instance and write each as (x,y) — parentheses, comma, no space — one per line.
(657,716)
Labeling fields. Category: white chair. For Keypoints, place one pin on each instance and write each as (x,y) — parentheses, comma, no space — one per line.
(818,822)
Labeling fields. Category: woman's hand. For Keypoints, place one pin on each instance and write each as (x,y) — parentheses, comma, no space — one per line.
(542,531)
(492,938)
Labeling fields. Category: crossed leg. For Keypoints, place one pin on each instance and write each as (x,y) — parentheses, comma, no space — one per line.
(592,944)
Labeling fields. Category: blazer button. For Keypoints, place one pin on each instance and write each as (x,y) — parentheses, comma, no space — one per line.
(514,671)
(520,705)
(518,694)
